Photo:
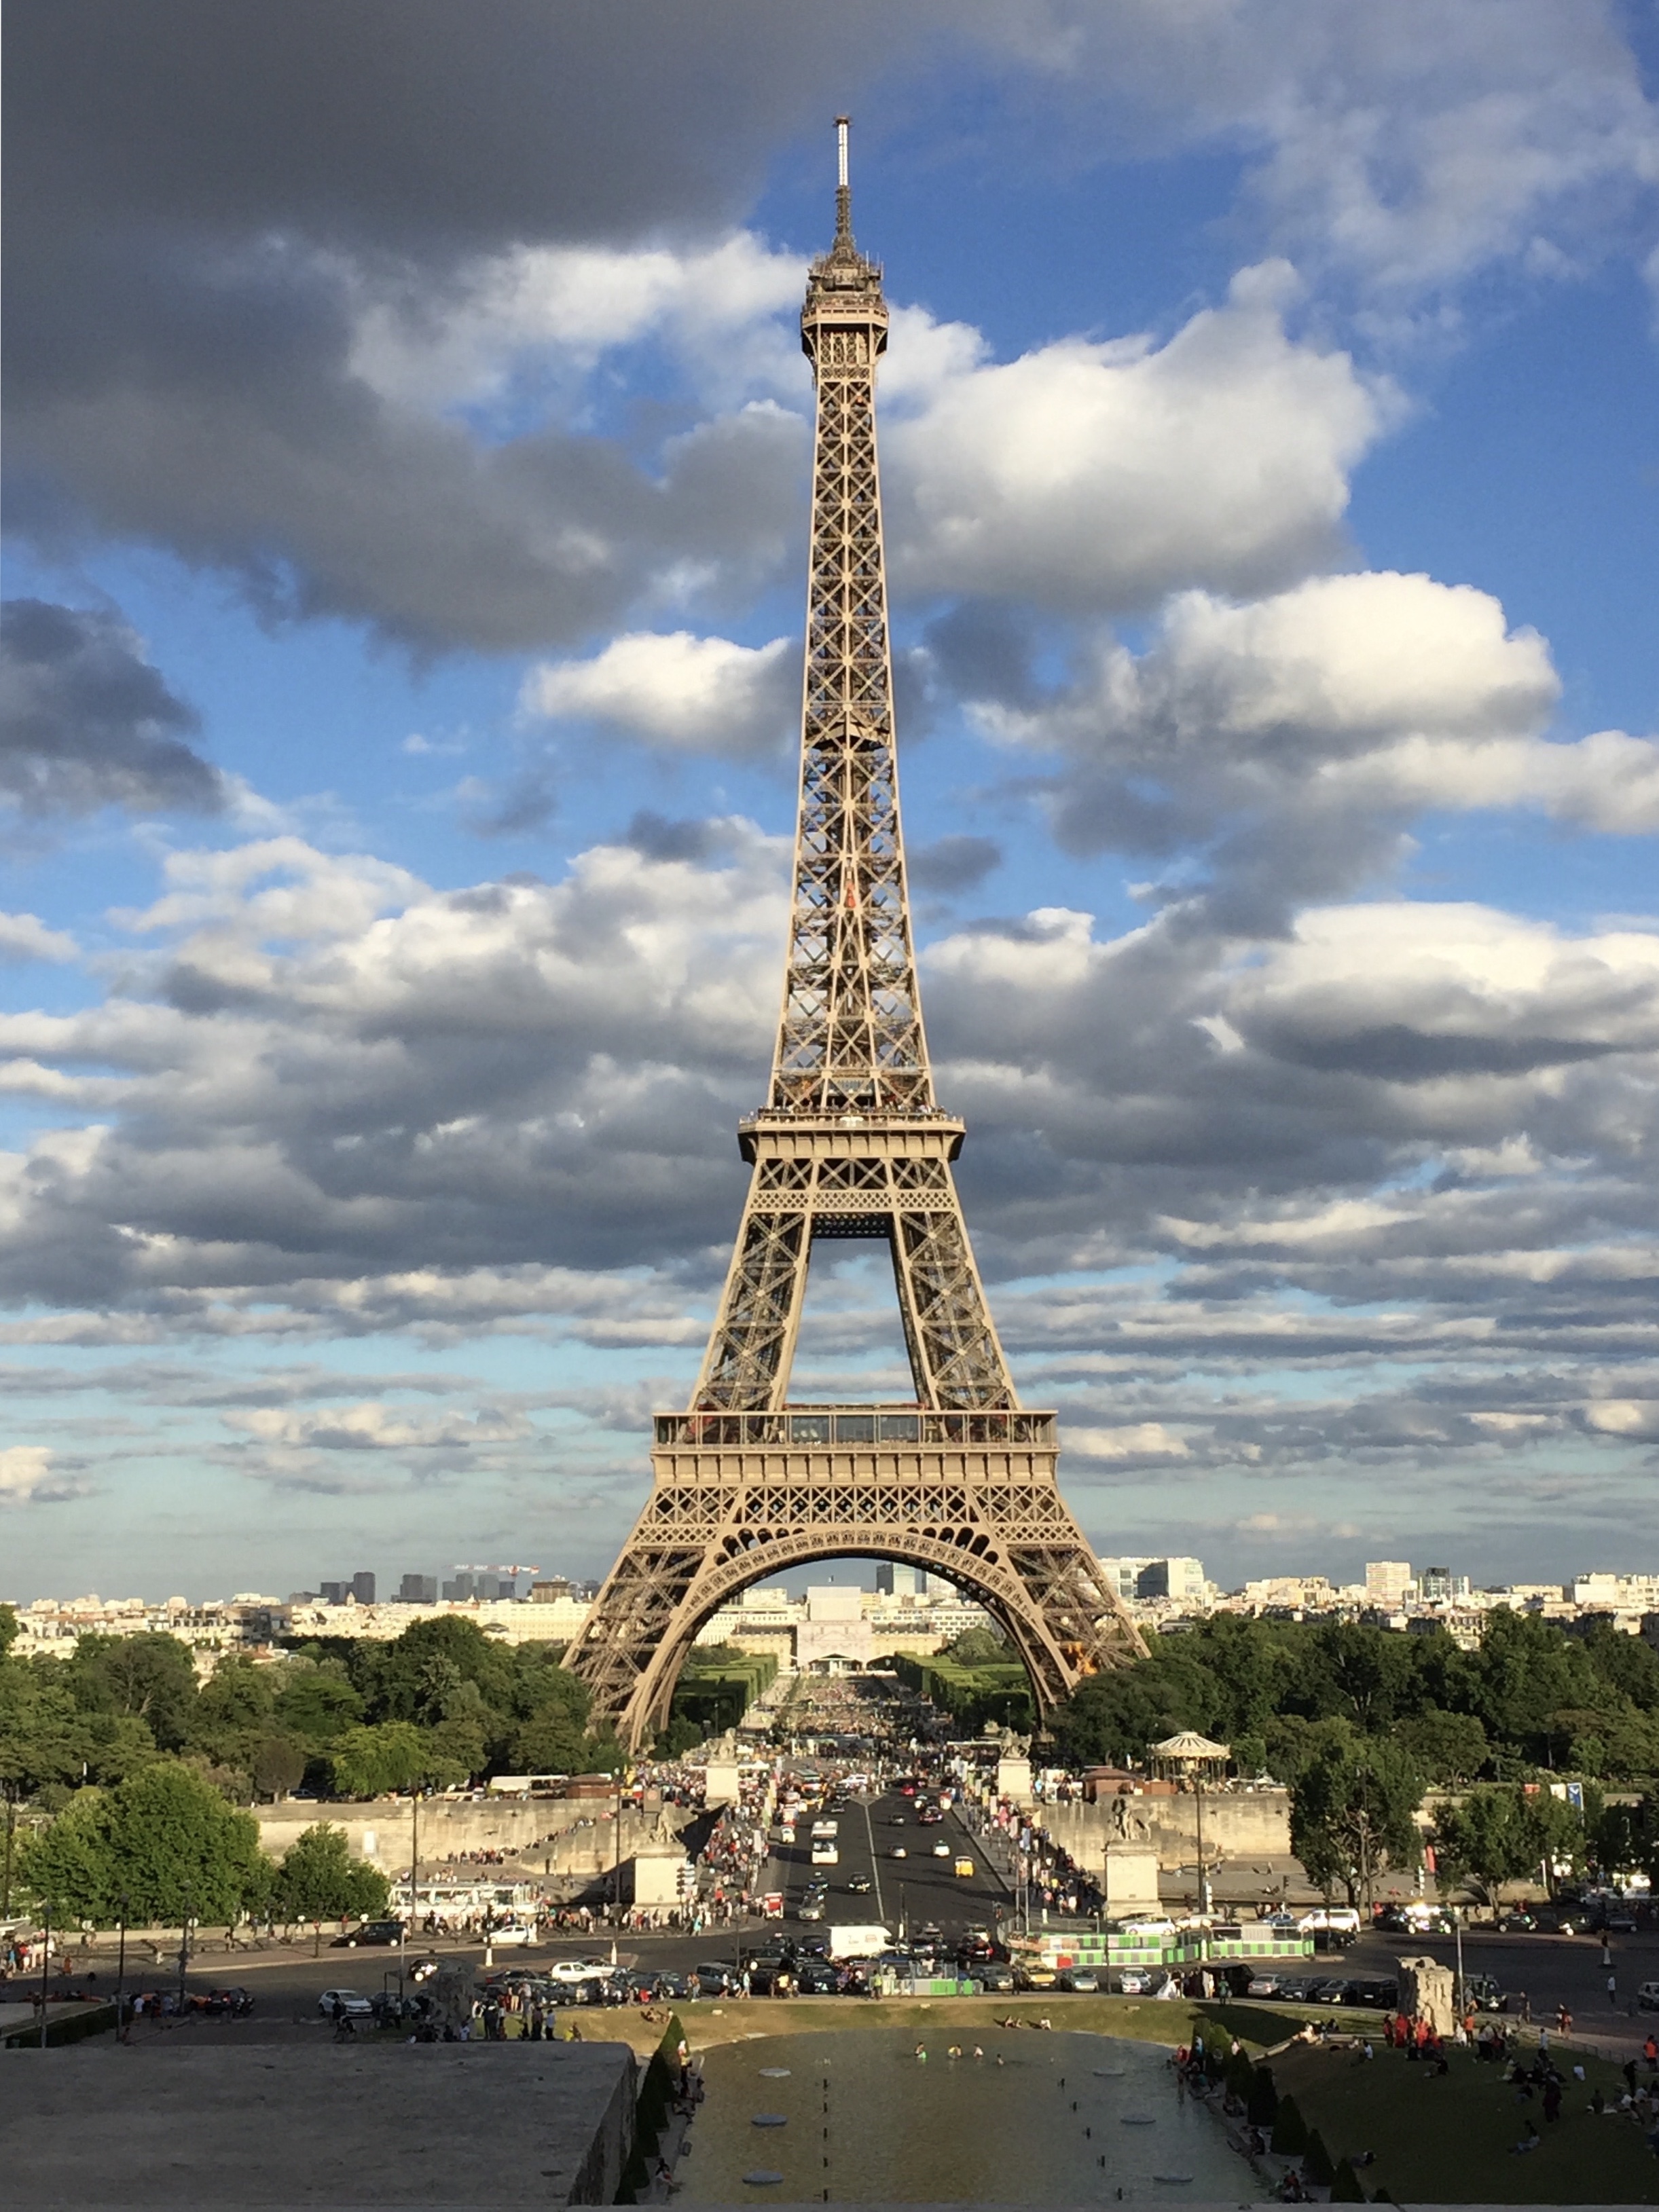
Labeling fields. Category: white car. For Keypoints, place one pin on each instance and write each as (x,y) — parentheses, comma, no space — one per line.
(357,2006)
(941,1850)
(580,1969)
(509,1932)
(899,1852)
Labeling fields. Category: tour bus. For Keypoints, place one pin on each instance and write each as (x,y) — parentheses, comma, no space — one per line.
(451,1903)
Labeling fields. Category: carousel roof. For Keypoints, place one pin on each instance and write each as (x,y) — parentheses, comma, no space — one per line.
(1189,1744)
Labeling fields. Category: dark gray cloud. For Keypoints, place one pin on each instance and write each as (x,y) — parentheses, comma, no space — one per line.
(199,199)
(85,721)
(953,864)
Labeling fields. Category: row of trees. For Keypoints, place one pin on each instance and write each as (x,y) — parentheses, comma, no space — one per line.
(1531,1698)
(164,1846)
(1361,1723)
(436,1707)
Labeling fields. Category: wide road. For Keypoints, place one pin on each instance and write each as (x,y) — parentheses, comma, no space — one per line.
(911,1891)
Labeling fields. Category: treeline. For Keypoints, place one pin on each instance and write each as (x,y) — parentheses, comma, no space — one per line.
(1531,1698)
(163,1847)
(1361,1723)
(438,1706)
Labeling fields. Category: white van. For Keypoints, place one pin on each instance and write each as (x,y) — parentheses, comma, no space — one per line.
(825,1854)
(1342,1918)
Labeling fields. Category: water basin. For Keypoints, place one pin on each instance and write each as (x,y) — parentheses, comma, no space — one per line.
(870,2122)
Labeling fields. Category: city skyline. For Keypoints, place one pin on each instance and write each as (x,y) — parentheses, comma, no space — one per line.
(402,664)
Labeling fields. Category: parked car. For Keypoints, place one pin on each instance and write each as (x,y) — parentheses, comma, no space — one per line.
(714,1981)
(1377,1993)
(372,1933)
(1082,1981)
(1517,1924)
(1264,1985)
(574,1971)
(1137,1981)
(1647,1998)
(356,2005)
(993,1976)
(1032,1974)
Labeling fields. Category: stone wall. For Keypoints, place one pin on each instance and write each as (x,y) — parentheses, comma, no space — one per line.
(1238,1824)
(554,1835)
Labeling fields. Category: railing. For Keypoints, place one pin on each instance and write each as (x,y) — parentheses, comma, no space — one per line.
(823,1425)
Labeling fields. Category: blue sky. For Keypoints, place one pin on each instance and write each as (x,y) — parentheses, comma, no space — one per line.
(407,502)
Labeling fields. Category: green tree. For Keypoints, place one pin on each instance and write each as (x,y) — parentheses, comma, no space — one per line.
(279,1763)
(1290,2137)
(9,1630)
(320,1880)
(1450,1747)
(151,1676)
(1502,1833)
(373,1762)
(164,1839)
(976,1646)
(1316,2161)
(1352,1812)
(317,1703)
(1262,2108)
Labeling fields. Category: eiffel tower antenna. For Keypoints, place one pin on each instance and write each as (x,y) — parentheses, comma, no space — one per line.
(961,1479)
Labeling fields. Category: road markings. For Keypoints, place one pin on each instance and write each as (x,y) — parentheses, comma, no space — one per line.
(875,1863)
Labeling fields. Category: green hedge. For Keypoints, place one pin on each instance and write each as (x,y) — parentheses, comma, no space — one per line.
(996,1690)
(650,2113)
(718,1684)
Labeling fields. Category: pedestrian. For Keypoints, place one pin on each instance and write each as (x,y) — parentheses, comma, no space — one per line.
(1613,1988)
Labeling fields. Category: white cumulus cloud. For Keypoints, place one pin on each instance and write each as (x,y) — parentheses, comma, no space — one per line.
(1101,476)
(683,694)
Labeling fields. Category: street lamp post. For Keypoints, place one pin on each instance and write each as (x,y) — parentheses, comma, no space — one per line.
(121,1973)
(45,1969)
(184,1947)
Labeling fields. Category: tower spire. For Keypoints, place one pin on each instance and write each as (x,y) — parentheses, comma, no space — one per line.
(843,188)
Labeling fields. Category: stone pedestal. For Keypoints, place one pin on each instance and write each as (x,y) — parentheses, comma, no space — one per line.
(654,1873)
(1129,1881)
(721,1786)
(1014,1781)
(1426,1992)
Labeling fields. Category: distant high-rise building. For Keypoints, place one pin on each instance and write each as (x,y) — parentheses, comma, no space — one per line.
(362,1587)
(461,1588)
(1440,1586)
(551,1590)
(418,1590)
(1387,1582)
(1170,1578)
(893,1580)
(332,1593)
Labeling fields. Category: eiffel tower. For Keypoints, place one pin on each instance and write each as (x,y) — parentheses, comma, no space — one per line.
(961,1480)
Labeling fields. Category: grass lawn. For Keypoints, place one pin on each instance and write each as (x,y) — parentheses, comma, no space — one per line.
(1447,2142)
(1140,2020)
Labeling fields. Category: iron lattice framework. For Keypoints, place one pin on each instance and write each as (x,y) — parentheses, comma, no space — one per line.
(850,1143)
